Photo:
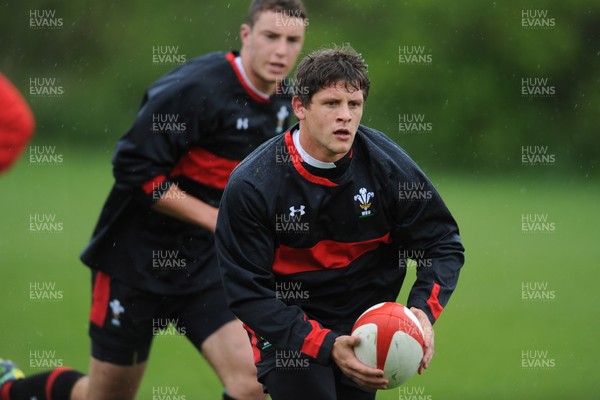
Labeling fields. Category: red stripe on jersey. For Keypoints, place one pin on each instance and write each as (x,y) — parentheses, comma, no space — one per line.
(100,297)
(314,340)
(205,167)
(327,254)
(150,185)
(433,302)
(297,162)
(5,393)
(254,343)
(251,92)
(50,382)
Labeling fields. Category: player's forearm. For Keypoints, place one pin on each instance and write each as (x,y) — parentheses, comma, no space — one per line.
(253,299)
(435,284)
(178,204)
(433,241)
(287,327)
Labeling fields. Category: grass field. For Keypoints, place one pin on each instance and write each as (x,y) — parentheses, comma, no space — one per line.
(491,343)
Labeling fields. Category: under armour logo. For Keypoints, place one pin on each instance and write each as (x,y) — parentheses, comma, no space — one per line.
(294,211)
(242,123)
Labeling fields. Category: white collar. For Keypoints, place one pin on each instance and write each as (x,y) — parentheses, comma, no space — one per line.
(238,62)
(310,160)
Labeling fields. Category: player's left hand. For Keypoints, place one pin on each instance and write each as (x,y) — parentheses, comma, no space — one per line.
(429,338)
(343,355)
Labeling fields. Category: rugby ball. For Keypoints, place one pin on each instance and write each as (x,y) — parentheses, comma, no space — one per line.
(391,339)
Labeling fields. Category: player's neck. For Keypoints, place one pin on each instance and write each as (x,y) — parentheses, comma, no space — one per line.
(329,170)
(259,84)
(309,150)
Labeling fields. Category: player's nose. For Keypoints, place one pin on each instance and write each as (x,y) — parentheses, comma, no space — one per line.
(281,47)
(344,113)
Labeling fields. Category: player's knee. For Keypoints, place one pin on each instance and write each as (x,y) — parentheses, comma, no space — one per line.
(247,394)
(245,387)
(109,392)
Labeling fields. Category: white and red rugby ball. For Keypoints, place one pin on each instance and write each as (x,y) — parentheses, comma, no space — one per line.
(391,339)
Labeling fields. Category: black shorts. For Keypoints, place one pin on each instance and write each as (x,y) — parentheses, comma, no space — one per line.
(124,320)
(294,380)
(289,375)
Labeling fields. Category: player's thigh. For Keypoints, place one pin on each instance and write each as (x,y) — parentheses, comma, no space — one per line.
(317,382)
(113,382)
(121,321)
(121,336)
(228,350)
(217,333)
(220,337)
(346,388)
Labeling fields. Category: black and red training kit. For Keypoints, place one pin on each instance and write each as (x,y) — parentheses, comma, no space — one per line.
(149,269)
(305,247)
(194,126)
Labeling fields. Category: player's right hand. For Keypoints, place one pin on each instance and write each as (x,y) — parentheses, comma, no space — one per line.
(343,355)
(429,338)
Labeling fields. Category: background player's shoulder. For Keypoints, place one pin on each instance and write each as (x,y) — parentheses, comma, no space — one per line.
(197,86)
(202,73)
(211,63)
(263,166)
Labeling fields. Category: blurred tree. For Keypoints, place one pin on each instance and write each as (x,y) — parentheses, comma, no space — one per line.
(470,91)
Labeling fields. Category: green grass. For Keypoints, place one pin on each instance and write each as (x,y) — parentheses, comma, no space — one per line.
(479,338)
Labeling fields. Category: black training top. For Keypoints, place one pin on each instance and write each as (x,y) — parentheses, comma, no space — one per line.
(194,126)
(303,251)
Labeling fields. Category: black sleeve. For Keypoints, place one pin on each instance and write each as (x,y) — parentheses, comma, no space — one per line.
(427,233)
(245,248)
(170,118)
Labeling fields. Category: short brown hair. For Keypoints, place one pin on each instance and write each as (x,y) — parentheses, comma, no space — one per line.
(323,68)
(295,8)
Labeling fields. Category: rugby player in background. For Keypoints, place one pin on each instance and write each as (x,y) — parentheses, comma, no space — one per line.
(152,253)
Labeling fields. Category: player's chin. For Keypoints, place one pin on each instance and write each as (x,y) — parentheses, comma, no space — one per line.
(341,148)
(342,142)
(275,75)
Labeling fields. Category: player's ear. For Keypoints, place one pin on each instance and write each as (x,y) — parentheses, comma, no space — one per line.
(299,108)
(245,30)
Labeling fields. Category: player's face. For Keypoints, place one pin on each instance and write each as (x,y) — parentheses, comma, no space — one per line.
(328,124)
(270,48)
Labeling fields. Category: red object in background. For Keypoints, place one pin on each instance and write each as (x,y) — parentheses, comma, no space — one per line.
(16,123)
